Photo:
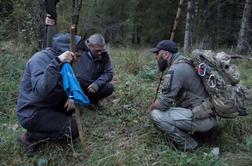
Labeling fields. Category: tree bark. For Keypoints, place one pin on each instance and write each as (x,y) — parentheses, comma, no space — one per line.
(242,45)
(40,19)
(189,24)
(176,20)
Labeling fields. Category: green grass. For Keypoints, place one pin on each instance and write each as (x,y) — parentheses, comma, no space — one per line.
(119,133)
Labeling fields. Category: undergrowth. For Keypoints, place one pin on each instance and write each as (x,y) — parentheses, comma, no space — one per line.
(120,132)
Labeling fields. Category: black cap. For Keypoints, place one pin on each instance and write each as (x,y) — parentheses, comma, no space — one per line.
(166,45)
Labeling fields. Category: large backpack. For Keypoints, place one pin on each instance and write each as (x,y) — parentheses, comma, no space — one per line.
(220,79)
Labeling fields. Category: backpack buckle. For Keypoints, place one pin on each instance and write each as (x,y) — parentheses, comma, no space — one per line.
(201,70)
(212,81)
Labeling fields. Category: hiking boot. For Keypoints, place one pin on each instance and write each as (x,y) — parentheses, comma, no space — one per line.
(215,152)
(29,147)
(206,138)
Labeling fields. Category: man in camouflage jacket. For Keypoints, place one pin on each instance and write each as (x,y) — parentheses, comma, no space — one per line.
(182,91)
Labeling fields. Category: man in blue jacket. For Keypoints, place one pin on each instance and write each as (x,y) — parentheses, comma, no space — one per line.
(43,107)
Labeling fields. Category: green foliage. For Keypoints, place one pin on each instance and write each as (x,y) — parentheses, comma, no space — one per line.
(131,22)
(133,61)
(6,8)
(148,72)
(190,159)
(18,20)
(64,11)
(11,70)
(3,32)
(246,69)
(120,132)
(211,22)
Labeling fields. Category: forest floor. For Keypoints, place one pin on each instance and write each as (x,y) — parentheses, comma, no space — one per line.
(119,132)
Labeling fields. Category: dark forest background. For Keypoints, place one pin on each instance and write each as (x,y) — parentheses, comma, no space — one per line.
(211,24)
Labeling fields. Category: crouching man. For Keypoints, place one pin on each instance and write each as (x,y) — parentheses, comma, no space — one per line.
(95,70)
(182,94)
(43,108)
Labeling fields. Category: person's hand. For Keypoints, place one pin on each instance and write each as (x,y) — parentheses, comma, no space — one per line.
(93,88)
(155,105)
(49,21)
(67,56)
(69,105)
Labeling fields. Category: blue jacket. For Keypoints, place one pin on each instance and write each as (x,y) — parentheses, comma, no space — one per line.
(41,85)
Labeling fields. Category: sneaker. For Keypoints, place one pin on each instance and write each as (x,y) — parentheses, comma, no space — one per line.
(29,147)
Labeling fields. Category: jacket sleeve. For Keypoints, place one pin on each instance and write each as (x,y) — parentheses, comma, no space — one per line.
(107,74)
(173,82)
(44,76)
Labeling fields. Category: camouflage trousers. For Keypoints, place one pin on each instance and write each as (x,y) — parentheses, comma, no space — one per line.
(177,123)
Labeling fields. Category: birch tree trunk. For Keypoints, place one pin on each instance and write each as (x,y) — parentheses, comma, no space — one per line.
(243,45)
(189,24)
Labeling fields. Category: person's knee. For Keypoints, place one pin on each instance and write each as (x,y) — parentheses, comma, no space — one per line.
(154,114)
(106,90)
(109,88)
(162,121)
(204,125)
(209,124)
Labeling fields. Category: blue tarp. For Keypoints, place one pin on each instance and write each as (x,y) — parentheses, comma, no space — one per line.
(72,86)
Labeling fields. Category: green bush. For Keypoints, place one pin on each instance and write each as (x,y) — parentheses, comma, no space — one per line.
(11,71)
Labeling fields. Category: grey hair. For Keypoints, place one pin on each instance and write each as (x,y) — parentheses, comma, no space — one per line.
(96,39)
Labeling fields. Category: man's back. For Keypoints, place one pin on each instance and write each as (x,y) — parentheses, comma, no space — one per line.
(37,88)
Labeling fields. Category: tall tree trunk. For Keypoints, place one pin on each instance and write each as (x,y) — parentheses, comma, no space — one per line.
(202,35)
(136,33)
(40,19)
(176,20)
(216,39)
(242,45)
(189,24)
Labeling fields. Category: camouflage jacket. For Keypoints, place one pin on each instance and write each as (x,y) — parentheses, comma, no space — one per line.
(182,86)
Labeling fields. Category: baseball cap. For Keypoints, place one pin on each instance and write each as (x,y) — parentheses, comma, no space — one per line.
(166,45)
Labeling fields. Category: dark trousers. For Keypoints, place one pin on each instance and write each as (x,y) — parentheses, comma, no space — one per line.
(57,124)
(103,92)
(50,124)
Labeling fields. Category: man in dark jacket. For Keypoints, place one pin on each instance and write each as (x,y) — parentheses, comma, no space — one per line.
(40,105)
(95,70)
(182,94)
